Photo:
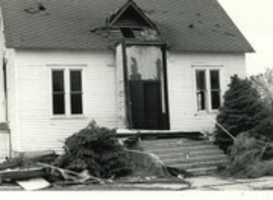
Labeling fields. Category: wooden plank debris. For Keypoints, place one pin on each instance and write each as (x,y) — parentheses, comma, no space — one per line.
(21,174)
(34,184)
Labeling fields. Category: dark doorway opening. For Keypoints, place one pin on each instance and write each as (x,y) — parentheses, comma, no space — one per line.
(146,105)
(147,88)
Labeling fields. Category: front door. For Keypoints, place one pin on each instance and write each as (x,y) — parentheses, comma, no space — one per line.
(146,104)
(146,79)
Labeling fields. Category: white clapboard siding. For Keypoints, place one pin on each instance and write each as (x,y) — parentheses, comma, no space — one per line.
(181,81)
(34,128)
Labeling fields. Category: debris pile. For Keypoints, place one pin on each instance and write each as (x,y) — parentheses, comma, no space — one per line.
(250,158)
(94,155)
(25,169)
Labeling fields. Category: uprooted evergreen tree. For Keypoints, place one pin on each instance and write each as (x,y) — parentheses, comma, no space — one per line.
(242,111)
(97,150)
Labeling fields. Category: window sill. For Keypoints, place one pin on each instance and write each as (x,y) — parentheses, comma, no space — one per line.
(70,117)
(206,113)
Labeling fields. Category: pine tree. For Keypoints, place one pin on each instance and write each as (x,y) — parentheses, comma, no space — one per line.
(242,111)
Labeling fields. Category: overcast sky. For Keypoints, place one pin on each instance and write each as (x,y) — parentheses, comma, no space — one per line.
(255,19)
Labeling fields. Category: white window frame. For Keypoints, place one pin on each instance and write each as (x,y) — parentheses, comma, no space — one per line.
(67,69)
(208,69)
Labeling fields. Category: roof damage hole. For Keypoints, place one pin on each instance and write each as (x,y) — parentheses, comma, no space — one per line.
(35,10)
(229,34)
(41,7)
(191,26)
(217,25)
(127,32)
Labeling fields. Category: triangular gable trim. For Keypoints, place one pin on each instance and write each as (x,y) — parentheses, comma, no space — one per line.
(127,5)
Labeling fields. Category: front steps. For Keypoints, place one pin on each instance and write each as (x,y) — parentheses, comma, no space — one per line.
(199,157)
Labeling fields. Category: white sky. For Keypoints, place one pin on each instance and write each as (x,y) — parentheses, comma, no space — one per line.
(255,19)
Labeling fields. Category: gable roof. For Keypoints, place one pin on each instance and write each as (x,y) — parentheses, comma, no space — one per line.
(130,11)
(186,25)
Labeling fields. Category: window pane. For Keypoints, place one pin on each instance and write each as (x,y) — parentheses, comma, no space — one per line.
(76,104)
(201,80)
(75,80)
(76,92)
(58,92)
(58,80)
(201,100)
(58,104)
(214,79)
(215,100)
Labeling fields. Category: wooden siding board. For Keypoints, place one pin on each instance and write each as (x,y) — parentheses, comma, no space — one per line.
(34,110)
(100,92)
(181,78)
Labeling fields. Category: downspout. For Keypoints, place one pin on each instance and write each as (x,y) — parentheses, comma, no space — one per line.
(4,68)
(5,79)
(5,88)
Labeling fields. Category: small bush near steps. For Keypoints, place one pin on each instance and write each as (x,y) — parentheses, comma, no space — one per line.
(97,150)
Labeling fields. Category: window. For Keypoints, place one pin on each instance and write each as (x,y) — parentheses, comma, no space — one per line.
(58,92)
(67,92)
(208,89)
(201,89)
(76,91)
(215,89)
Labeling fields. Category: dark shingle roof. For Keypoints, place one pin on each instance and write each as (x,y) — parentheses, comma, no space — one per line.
(187,25)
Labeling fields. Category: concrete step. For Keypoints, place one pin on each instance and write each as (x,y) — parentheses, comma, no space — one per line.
(175,142)
(166,150)
(199,157)
(198,164)
(185,154)
(194,159)
(203,171)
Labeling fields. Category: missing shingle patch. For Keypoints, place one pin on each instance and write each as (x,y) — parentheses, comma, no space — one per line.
(229,34)
(191,26)
(41,7)
(35,10)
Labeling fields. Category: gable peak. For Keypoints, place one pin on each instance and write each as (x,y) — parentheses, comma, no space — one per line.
(130,15)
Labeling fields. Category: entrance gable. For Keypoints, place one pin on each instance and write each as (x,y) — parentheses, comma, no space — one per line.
(130,15)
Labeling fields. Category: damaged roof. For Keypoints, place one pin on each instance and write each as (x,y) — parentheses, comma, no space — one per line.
(186,25)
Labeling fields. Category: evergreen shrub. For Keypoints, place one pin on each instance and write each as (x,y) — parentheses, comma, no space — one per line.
(243,110)
(98,150)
